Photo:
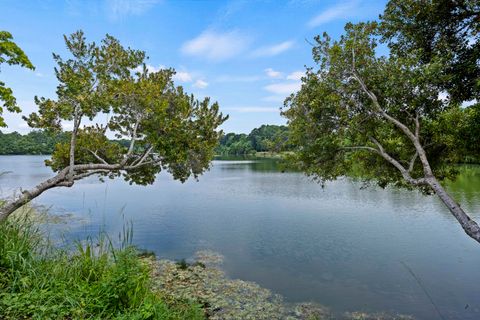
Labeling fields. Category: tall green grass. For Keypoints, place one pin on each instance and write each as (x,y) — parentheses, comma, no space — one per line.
(92,281)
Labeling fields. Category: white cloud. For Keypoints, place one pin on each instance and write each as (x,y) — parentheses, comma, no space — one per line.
(201,84)
(273,50)
(182,76)
(273,74)
(120,8)
(296,75)
(274,98)
(283,88)
(216,46)
(39,74)
(340,11)
(253,109)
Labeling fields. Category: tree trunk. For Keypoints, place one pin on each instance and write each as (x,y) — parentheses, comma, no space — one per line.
(10,206)
(63,179)
(469,226)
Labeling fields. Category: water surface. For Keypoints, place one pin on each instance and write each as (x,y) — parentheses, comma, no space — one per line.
(340,246)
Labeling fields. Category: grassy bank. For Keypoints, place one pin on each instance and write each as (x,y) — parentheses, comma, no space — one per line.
(93,281)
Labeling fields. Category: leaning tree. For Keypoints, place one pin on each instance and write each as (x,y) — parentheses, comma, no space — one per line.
(381,117)
(165,128)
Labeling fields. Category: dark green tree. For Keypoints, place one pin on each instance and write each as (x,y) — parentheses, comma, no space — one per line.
(167,129)
(10,54)
(445,32)
(380,115)
(268,137)
(35,142)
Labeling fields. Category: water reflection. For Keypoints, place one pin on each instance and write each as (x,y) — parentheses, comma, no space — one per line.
(340,246)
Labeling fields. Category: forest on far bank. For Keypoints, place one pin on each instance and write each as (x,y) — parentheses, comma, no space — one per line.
(266,138)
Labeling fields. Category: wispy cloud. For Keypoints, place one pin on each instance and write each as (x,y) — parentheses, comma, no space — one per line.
(216,46)
(117,9)
(340,11)
(200,84)
(252,109)
(273,73)
(274,98)
(283,88)
(296,75)
(182,76)
(179,76)
(273,50)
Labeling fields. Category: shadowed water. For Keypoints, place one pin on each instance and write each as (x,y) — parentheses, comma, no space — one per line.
(340,246)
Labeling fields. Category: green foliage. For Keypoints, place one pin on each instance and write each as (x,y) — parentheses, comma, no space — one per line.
(166,128)
(336,123)
(10,54)
(271,138)
(235,144)
(35,142)
(440,31)
(92,282)
(89,138)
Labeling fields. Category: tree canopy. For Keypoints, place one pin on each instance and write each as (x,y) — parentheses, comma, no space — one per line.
(270,138)
(10,54)
(382,116)
(167,128)
(444,32)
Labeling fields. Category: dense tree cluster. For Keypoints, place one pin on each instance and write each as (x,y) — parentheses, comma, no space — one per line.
(35,142)
(266,138)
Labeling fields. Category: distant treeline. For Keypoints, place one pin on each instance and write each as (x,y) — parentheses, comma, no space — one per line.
(35,142)
(267,138)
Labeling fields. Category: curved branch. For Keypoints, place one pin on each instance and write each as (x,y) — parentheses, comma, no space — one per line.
(414,137)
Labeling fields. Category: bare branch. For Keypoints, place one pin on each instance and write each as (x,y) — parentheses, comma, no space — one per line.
(417,126)
(97,156)
(413,137)
(412,162)
(361,148)
(144,156)
(309,42)
(406,175)
(77,118)
(133,138)
(89,173)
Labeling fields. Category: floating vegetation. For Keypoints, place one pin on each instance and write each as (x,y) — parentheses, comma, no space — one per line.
(39,215)
(375,316)
(204,282)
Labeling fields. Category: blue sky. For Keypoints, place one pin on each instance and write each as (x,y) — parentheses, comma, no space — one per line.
(247,55)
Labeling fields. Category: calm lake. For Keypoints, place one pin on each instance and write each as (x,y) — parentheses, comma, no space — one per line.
(344,247)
